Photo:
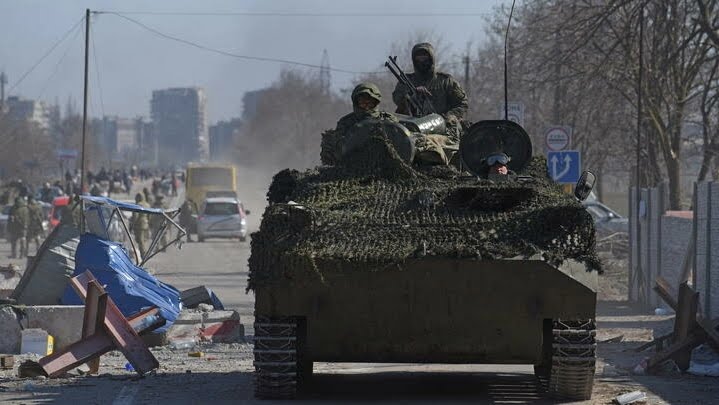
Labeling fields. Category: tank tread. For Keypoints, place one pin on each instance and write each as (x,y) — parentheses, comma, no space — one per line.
(271,338)
(276,358)
(278,351)
(276,344)
(573,359)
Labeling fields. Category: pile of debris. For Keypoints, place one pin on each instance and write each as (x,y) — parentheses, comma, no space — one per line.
(9,278)
(85,295)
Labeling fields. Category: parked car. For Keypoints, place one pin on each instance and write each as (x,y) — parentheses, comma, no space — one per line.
(606,220)
(222,218)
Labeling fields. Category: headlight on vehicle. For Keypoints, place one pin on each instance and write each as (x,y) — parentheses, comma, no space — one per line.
(243,222)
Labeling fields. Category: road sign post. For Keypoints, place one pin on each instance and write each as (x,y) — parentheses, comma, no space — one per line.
(564,167)
(515,112)
(558,138)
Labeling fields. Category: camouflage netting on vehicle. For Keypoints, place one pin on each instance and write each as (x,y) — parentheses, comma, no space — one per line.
(375,212)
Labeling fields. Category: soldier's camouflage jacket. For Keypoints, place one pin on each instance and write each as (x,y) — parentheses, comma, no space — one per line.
(332,140)
(448,97)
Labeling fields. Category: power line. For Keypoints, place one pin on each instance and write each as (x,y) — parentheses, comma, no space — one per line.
(292,14)
(49,51)
(230,54)
(59,62)
(16,126)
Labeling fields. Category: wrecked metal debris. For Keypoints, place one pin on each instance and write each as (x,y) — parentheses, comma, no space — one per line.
(630,398)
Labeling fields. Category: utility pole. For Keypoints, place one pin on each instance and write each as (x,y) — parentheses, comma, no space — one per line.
(638,274)
(3,82)
(325,77)
(466,73)
(639,173)
(84,102)
(556,110)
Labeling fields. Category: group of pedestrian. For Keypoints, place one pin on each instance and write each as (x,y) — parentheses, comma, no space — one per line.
(25,225)
(143,228)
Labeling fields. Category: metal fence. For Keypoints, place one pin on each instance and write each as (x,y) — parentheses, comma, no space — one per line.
(674,245)
(705,272)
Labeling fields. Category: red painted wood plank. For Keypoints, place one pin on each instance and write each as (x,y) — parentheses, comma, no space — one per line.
(120,331)
(87,349)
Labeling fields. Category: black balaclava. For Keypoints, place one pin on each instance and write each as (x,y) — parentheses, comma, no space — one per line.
(426,70)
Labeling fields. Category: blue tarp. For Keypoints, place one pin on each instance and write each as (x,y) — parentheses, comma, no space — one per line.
(129,286)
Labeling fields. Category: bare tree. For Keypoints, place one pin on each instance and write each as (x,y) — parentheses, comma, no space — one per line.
(578,62)
(708,19)
(290,116)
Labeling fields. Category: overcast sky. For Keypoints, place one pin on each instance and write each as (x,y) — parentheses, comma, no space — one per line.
(132,61)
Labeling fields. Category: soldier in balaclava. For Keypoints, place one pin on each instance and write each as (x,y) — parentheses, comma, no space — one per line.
(447,97)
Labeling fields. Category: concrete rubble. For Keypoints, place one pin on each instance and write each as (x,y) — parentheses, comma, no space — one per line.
(9,278)
(63,322)
(205,324)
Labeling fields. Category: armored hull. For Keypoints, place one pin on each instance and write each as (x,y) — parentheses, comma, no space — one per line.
(378,261)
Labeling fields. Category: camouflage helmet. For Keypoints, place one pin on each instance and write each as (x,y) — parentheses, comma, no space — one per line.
(367,88)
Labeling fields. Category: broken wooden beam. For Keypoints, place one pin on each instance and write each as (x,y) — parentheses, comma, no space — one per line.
(655,342)
(666,292)
(119,330)
(709,329)
(104,329)
(685,323)
(687,344)
(89,348)
(95,308)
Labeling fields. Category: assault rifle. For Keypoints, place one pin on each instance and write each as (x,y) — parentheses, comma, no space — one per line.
(418,103)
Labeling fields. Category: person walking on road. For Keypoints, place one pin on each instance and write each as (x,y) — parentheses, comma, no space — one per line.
(139,225)
(186,211)
(174,185)
(34,228)
(146,194)
(18,221)
(156,221)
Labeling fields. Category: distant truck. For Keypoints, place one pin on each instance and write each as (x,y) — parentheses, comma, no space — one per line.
(210,180)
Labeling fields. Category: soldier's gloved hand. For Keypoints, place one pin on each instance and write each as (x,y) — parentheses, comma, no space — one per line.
(425,91)
(451,120)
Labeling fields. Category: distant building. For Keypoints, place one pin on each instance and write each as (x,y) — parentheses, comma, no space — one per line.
(180,125)
(126,140)
(31,111)
(250,101)
(147,142)
(119,135)
(222,139)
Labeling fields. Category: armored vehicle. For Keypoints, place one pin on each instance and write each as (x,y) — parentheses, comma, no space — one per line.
(378,260)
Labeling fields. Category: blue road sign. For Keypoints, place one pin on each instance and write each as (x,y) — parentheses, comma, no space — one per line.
(564,166)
